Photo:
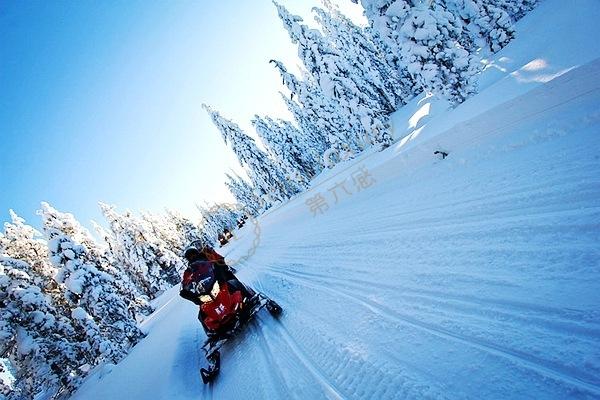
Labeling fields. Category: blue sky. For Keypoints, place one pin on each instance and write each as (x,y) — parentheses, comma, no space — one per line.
(101,100)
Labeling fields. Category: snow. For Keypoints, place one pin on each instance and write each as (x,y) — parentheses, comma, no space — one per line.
(79,313)
(26,342)
(475,276)
(30,296)
(75,282)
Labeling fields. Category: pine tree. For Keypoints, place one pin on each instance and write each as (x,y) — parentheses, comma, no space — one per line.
(387,86)
(40,343)
(284,143)
(245,195)
(327,115)
(137,302)
(23,242)
(485,23)
(312,135)
(92,292)
(301,148)
(217,218)
(266,176)
(385,18)
(187,230)
(337,80)
(163,227)
(426,38)
(152,266)
(515,8)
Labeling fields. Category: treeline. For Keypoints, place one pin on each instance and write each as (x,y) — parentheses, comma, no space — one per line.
(69,302)
(354,77)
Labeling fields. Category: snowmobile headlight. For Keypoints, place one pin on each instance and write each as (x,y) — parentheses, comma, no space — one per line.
(207,298)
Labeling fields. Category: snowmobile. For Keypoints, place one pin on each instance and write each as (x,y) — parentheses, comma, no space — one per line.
(223,313)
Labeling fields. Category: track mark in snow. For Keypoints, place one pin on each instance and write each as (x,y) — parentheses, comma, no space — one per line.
(330,391)
(543,368)
(469,304)
(278,330)
(270,362)
(357,371)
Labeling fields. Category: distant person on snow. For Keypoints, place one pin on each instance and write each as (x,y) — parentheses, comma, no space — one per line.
(209,281)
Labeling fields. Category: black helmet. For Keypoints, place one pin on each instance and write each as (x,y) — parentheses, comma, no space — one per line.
(194,251)
(191,253)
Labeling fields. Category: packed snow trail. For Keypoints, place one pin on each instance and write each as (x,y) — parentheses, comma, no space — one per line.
(475,276)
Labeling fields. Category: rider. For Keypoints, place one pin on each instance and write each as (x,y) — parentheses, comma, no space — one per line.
(206,274)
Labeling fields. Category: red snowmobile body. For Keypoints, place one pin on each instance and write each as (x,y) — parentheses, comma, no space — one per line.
(220,314)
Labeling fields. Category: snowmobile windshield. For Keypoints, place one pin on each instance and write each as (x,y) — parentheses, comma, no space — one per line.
(204,277)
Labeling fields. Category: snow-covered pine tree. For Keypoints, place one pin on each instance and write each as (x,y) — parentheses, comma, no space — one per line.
(365,58)
(328,116)
(187,230)
(311,134)
(217,218)
(152,266)
(515,8)
(426,38)
(96,306)
(6,380)
(304,152)
(339,81)
(384,22)
(485,24)
(163,227)
(23,242)
(137,302)
(284,143)
(41,344)
(244,195)
(266,176)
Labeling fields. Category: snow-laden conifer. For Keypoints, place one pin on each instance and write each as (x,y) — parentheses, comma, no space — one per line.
(266,176)
(136,301)
(365,59)
(89,288)
(285,143)
(187,230)
(46,352)
(311,134)
(217,218)
(426,39)
(328,116)
(485,24)
(23,242)
(338,80)
(244,195)
(150,264)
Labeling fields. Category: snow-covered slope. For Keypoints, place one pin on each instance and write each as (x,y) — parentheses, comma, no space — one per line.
(475,276)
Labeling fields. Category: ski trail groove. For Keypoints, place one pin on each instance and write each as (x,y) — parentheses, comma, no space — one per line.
(271,364)
(542,367)
(464,303)
(329,389)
